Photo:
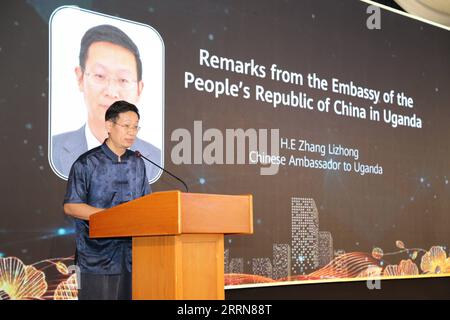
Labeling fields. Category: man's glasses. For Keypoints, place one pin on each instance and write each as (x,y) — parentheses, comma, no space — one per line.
(128,127)
(103,80)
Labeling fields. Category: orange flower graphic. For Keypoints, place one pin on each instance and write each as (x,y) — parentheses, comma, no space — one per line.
(435,261)
(404,268)
(67,290)
(18,281)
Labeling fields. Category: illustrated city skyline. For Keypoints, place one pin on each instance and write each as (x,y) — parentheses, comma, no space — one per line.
(310,248)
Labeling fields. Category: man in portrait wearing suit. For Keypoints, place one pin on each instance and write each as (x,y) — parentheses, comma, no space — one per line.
(110,69)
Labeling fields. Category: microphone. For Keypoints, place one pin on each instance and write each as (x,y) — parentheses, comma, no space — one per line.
(139,155)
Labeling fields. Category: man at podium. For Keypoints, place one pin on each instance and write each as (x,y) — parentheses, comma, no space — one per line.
(101,178)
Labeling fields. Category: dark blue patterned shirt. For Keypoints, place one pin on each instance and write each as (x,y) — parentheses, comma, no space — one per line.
(100,180)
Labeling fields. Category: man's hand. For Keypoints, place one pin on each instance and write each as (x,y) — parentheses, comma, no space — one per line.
(80,210)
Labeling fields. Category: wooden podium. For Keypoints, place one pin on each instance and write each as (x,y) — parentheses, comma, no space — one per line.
(178,248)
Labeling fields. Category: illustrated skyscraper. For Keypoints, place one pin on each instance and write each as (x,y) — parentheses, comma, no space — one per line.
(305,236)
(226,260)
(262,267)
(325,248)
(281,261)
(237,265)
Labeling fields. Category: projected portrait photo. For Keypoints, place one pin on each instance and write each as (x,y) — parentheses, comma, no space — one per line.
(96,60)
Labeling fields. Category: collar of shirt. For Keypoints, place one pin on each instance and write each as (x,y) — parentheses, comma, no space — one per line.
(114,157)
(91,140)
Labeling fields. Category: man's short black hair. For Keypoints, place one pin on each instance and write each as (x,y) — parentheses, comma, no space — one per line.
(119,107)
(111,34)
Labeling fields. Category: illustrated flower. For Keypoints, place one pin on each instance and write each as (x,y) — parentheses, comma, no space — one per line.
(400,244)
(67,290)
(404,268)
(377,253)
(435,261)
(62,268)
(18,281)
